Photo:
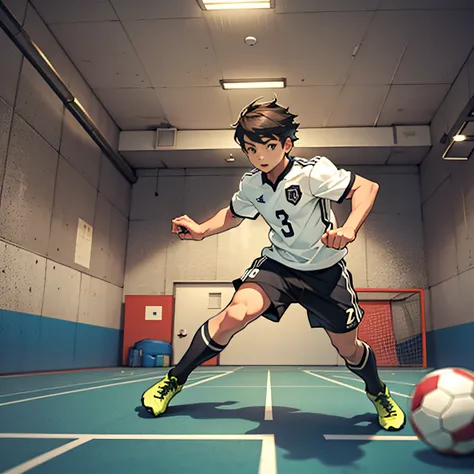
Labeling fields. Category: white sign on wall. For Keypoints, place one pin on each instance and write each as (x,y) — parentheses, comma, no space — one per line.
(82,255)
(154,313)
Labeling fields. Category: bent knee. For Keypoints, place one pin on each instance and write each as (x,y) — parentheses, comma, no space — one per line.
(347,350)
(237,315)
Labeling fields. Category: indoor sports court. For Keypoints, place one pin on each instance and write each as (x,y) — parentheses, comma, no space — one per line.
(236,236)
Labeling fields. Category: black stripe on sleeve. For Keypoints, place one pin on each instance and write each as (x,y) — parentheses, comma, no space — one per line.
(242,217)
(348,189)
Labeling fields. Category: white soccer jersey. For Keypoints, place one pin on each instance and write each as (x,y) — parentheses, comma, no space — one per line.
(297,209)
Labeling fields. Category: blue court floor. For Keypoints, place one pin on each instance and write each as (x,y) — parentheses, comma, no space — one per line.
(255,420)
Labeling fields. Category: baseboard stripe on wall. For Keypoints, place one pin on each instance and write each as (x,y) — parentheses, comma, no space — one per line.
(31,343)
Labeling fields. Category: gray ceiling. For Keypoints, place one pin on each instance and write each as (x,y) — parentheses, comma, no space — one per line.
(157,63)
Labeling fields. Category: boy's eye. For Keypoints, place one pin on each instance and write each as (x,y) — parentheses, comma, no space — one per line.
(272,146)
(251,150)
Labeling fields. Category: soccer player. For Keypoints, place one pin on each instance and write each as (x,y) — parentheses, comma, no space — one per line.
(304,263)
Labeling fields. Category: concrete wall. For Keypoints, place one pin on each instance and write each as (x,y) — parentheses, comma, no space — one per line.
(447,191)
(55,313)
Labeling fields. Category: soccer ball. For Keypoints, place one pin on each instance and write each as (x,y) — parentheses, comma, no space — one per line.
(442,410)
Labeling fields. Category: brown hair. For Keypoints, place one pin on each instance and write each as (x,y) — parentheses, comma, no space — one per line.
(265,120)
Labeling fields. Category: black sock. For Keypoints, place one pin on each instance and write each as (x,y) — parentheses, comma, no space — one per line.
(202,348)
(367,371)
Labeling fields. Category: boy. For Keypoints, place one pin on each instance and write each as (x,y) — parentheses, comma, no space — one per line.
(304,263)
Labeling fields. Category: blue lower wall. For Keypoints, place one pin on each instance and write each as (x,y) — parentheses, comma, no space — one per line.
(451,347)
(33,343)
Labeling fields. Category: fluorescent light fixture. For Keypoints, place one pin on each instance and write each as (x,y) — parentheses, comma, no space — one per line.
(234,5)
(228,84)
(459,138)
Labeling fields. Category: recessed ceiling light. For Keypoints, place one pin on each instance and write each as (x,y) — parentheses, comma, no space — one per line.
(234,5)
(253,83)
(459,138)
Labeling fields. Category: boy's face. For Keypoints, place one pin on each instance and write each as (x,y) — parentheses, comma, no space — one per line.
(265,156)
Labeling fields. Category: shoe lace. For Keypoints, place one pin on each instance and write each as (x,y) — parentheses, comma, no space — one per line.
(168,386)
(387,405)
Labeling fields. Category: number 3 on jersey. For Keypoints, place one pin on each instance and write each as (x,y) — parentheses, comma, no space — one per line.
(283,216)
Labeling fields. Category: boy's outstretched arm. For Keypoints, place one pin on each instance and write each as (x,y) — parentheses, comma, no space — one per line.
(363,194)
(188,229)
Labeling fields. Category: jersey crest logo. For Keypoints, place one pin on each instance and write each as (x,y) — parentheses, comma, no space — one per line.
(293,194)
(260,199)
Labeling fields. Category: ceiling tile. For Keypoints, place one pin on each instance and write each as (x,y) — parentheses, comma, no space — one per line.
(175,52)
(236,59)
(196,108)
(73,11)
(424,4)
(416,104)
(153,9)
(439,44)
(102,53)
(358,106)
(318,47)
(382,48)
(133,109)
(294,6)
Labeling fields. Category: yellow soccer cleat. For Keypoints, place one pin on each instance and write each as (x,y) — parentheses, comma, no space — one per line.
(391,416)
(158,396)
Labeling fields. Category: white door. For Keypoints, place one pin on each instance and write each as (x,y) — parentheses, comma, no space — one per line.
(262,342)
(195,303)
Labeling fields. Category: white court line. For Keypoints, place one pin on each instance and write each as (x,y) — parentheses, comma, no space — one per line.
(349,386)
(359,380)
(211,378)
(209,371)
(75,384)
(268,400)
(61,372)
(267,464)
(96,381)
(42,458)
(344,369)
(342,437)
(23,400)
(274,386)
(190,437)
(74,371)
(71,371)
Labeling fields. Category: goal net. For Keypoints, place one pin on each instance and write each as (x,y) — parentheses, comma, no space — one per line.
(394,326)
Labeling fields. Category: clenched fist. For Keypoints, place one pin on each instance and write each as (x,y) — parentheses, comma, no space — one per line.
(338,238)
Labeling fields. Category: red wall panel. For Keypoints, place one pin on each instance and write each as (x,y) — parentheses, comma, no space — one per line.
(136,327)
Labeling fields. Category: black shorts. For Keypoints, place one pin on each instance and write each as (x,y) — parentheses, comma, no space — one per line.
(328,295)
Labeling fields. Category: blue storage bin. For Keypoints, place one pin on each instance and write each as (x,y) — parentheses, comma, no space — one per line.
(133,357)
(159,361)
(151,346)
(148,360)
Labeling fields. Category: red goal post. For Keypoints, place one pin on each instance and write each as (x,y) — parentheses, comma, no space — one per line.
(394,325)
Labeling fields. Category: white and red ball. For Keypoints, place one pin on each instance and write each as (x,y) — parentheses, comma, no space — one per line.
(442,410)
